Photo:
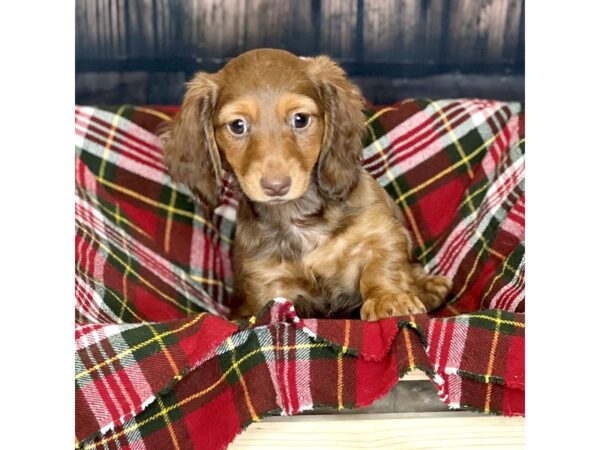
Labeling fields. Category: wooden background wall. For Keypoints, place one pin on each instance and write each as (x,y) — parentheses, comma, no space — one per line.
(141,51)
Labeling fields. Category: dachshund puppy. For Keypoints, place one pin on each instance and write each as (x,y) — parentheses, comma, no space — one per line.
(312,226)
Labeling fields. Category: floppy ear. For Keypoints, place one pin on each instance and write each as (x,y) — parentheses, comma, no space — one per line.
(191,153)
(339,164)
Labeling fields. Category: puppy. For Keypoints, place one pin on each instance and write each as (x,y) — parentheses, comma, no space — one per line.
(312,225)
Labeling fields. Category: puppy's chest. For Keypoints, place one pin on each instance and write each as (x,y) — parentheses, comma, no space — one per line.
(305,239)
(329,263)
(335,261)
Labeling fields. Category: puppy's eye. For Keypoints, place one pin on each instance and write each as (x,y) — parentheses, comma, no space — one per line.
(300,120)
(238,127)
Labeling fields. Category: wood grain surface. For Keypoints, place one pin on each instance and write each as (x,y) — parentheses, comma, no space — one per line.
(408,431)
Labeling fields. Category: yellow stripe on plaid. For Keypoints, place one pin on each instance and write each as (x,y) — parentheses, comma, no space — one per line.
(452,309)
(156,204)
(116,216)
(138,347)
(378,114)
(119,218)
(153,112)
(469,198)
(206,280)
(494,252)
(122,301)
(392,179)
(488,396)
(177,377)
(127,267)
(496,278)
(469,275)
(111,136)
(449,169)
(238,372)
(455,140)
(138,276)
(166,350)
(483,240)
(168,423)
(409,350)
(340,366)
(167,237)
(203,392)
(498,320)
(184,276)
(484,247)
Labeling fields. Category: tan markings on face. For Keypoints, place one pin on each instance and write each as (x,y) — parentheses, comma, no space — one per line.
(244,108)
(272,147)
(291,103)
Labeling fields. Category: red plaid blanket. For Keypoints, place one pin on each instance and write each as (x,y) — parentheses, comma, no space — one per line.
(157,364)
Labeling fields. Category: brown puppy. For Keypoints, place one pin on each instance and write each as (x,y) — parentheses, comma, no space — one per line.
(312,226)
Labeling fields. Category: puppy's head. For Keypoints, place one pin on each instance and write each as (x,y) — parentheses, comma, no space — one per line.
(281,122)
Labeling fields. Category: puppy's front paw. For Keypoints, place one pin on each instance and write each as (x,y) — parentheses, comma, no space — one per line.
(391,305)
(433,290)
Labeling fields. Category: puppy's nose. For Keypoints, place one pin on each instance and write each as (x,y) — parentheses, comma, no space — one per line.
(274,186)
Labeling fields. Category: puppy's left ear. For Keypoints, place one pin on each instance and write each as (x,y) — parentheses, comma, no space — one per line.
(339,164)
(190,151)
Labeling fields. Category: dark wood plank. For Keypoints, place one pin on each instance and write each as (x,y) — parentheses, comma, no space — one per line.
(372,39)
(411,31)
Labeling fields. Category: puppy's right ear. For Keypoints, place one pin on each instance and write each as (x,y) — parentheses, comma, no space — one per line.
(191,153)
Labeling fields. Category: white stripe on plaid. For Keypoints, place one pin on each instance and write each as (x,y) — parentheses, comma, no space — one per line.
(410,151)
(90,305)
(283,390)
(515,222)
(90,334)
(285,330)
(266,341)
(452,335)
(305,401)
(468,232)
(107,233)
(118,150)
(454,383)
(118,153)
(508,138)
(457,343)
(103,120)
(116,404)
(439,343)
(151,168)
(512,294)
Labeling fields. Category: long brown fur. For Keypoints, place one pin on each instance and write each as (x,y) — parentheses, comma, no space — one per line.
(334,243)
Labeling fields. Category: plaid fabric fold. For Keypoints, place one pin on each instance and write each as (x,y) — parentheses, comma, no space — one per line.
(159,366)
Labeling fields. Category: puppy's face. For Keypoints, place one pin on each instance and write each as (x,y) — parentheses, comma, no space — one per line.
(271,137)
(279,121)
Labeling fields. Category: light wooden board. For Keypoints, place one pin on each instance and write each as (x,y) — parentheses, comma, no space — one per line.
(404,431)
(414,375)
